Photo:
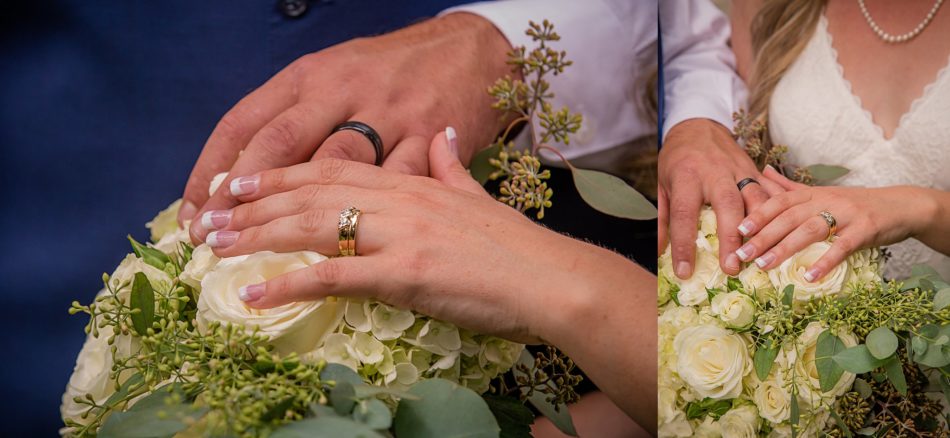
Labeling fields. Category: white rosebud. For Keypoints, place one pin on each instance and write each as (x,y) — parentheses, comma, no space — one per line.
(293,327)
(792,272)
(709,428)
(712,361)
(389,322)
(170,242)
(166,221)
(124,274)
(202,261)
(802,355)
(773,400)
(216,182)
(735,309)
(757,282)
(740,422)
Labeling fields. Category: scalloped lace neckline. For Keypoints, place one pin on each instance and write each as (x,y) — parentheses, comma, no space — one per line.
(925,95)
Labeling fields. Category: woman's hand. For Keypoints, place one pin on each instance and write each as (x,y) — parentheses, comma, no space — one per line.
(865,217)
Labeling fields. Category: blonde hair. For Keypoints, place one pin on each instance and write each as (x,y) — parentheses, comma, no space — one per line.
(780,31)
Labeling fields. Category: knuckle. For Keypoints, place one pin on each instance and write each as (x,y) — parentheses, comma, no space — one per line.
(280,137)
(232,126)
(330,171)
(308,195)
(277,179)
(846,244)
(327,274)
(815,228)
(346,145)
(311,221)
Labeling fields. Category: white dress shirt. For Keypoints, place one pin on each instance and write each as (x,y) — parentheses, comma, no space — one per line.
(699,67)
(612,44)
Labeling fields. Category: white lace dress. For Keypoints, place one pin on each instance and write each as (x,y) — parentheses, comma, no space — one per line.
(815,113)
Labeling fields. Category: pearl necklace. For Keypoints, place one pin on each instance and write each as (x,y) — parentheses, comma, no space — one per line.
(903,37)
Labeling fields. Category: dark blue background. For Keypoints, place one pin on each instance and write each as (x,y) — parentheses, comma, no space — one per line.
(104,107)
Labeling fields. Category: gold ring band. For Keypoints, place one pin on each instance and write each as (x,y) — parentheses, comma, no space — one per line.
(349,220)
(832,223)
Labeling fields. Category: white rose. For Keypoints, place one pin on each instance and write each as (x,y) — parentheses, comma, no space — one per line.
(709,428)
(216,182)
(735,309)
(712,360)
(757,282)
(792,272)
(166,221)
(740,422)
(773,400)
(124,274)
(202,261)
(706,275)
(170,242)
(809,389)
(294,327)
(667,410)
(707,222)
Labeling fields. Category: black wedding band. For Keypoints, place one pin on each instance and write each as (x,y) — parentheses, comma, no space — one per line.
(367,132)
(745,181)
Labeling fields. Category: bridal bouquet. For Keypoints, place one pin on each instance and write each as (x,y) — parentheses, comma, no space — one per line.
(771,354)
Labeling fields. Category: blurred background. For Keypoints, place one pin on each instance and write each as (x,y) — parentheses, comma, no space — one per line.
(104,108)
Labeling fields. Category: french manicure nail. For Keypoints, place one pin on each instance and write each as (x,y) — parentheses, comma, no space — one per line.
(745,252)
(245,185)
(215,219)
(187,211)
(222,239)
(765,260)
(732,262)
(683,270)
(251,292)
(812,274)
(452,139)
(746,227)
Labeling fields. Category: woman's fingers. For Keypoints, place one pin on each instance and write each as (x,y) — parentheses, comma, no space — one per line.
(771,209)
(328,171)
(779,179)
(313,230)
(842,246)
(760,246)
(810,231)
(445,166)
(341,276)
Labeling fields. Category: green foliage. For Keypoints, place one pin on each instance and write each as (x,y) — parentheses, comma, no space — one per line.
(829,372)
(611,195)
(763,360)
(444,410)
(513,416)
(707,406)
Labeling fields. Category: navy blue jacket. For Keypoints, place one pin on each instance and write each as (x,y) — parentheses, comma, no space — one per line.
(104,108)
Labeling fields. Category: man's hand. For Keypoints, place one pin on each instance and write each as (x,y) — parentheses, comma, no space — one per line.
(407,85)
(699,164)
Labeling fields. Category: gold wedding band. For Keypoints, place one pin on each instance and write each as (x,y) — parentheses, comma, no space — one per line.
(349,220)
(832,223)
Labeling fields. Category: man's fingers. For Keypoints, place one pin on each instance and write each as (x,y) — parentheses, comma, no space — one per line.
(753,195)
(686,198)
(231,135)
(351,145)
(340,277)
(663,220)
(729,208)
(409,157)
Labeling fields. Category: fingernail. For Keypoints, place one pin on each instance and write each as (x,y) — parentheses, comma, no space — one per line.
(812,274)
(251,292)
(769,166)
(215,219)
(683,270)
(187,211)
(732,262)
(746,227)
(745,252)
(452,139)
(222,239)
(765,260)
(245,185)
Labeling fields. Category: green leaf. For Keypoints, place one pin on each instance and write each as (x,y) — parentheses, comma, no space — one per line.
(278,411)
(763,359)
(143,300)
(364,390)
(159,397)
(513,416)
(919,345)
(857,360)
(794,414)
(131,384)
(895,373)
(373,413)
(862,387)
(942,299)
(933,355)
(733,284)
(707,406)
(335,372)
(882,343)
(829,372)
(611,195)
(444,410)
(343,398)
(157,420)
(480,167)
(337,427)
(559,415)
(151,256)
(788,294)
(824,173)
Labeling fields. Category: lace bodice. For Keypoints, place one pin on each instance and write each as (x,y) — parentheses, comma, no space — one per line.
(815,113)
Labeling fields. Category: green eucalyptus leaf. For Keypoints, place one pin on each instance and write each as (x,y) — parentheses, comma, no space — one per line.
(611,195)
(935,356)
(926,284)
(364,390)
(444,410)
(862,387)
(942,299)
(160,397)
(788,294)
(373,413)
(131,384)
(919,345)
(143,300)
(823,173)
(762,360)
(895,373)
(794,414)
(151,256)
(882,342)
(513,416)
(334,372)
(480,167)
(278,411)
(158,420)
(857,360)
(866,431)
(336,427)
(829,372)
(342,397)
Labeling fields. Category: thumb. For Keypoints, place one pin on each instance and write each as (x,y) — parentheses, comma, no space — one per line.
(444,164)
